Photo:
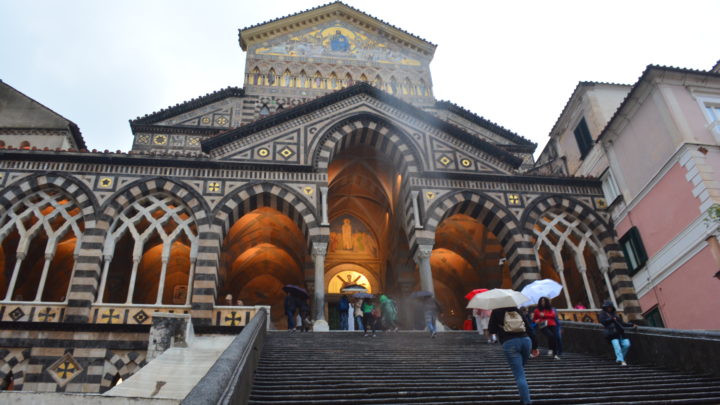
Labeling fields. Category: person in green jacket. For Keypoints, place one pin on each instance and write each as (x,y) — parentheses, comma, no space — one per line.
(369,320)
(389,313)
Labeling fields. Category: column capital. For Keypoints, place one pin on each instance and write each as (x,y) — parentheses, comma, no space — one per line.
(319,248)
(423,252)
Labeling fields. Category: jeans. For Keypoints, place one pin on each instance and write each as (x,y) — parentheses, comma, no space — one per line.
(517,351)
(553,337)
(430,321)
(344,320)
(359,322)
(291,320)
(621,347)
(369,322)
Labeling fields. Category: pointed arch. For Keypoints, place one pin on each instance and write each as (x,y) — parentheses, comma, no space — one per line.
(318,81)
(593,228)
(262,194)
(499,220)
(304,82)
(272,78)
(333,83)
(348,80)
(287,79)
(256,77)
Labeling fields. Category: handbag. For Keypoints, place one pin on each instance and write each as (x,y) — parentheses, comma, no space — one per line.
(543,324)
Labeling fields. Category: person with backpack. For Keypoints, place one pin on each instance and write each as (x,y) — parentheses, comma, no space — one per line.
(615,331)
(511,329)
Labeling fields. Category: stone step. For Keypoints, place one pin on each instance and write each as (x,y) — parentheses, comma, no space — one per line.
(455,368)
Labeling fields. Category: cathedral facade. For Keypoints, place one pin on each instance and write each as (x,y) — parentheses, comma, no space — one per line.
(334,166)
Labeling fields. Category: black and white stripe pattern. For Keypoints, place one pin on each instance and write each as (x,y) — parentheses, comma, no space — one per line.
(619,276)
(498,220)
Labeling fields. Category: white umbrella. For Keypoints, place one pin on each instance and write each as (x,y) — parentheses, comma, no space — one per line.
(497,298)
(541,288)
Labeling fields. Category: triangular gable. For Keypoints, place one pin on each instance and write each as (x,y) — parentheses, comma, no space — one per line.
(291,23)
(19,111)
(454,153)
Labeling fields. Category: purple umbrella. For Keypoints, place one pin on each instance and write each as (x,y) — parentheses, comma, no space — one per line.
(295,290)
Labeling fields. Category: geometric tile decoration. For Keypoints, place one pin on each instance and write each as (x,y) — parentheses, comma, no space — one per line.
(109,316)
(140,317)
(143,139)
(16,314)
(160,139)
(513,199)
(465,162)
(263,152)
(444,160)
(430,195)
(64,369)
(286,152)
(234,319)
(105,182)
(600,203)
(308,190)
(46,315)
(214,187)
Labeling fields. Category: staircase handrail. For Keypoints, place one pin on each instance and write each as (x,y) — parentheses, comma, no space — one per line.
(229,380)
(687,350)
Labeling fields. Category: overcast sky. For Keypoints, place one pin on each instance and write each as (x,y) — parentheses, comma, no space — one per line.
(101,63)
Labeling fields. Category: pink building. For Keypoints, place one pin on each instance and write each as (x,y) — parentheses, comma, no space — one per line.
(658,155)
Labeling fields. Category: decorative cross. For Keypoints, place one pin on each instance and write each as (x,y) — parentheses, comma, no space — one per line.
(66,368)
(514,199)
(110,315)
(47,315)
(213,187)
(230,320)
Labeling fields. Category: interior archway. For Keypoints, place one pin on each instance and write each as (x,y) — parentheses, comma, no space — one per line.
(466,256)
(263,251)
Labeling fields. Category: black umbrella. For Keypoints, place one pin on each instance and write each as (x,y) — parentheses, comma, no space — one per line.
(421,294)
(295,290)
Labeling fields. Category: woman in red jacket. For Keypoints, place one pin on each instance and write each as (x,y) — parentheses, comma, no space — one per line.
(545,318)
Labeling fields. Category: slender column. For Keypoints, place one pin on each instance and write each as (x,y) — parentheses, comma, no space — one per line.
(583,273)
(561,270)
(611,292)
(416,209)
(319,250)
(161,286)
(103,279)
(191,278)
(324,205)
(422,258)
(133,276)
(43,277)
(19,257)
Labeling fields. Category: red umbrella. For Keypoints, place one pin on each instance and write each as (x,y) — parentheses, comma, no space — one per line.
(472,293)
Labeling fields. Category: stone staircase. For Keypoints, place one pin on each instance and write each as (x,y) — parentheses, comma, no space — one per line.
(454,368)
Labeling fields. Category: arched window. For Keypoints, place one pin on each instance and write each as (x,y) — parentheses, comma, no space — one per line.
(363,78)
(256,77)
(304,82)
(393,87)
(422,88)
(333,82)
(378,82)
(408,88)
(272,77)
(150,253)
(287,79)
(39,242)
(318,82)
(2,144)
(348,80)
(24,145)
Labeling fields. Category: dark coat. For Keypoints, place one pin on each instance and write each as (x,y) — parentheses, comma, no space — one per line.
(614,325)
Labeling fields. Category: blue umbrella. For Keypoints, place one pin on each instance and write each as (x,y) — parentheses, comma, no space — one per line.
(362,295)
